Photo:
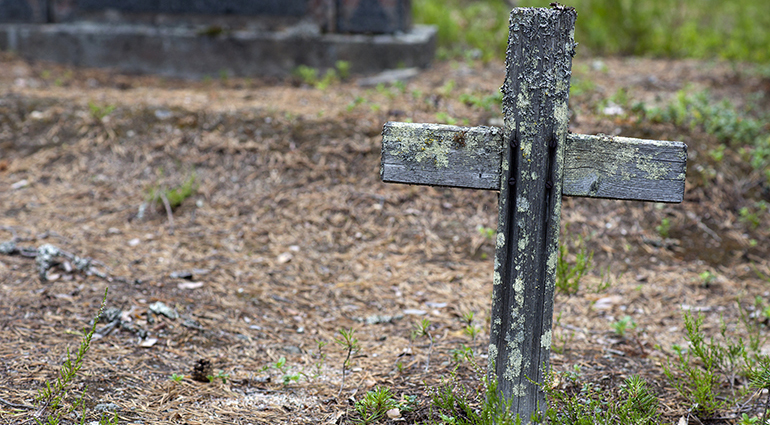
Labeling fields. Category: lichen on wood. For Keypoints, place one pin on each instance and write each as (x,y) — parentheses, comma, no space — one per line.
(594,166)
(535,94)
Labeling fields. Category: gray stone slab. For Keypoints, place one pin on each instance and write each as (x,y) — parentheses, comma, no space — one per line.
(188,53)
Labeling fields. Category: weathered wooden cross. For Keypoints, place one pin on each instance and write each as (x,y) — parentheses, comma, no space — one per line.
(533,160)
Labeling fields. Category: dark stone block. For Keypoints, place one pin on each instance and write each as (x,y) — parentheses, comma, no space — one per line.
(373,16)
(23,11)
(199,7)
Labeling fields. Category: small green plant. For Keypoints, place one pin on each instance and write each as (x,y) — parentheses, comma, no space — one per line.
(718,153)
(695,372)
(99,112)
(487,232)
(350,344)
(622,326)
(472,331)
(635,403)
(483,102)
(422,329)
(462,354)
(220,375)
(319,356)
(177,377)
(330,77)
(468,317)
(568,275)
(457,404)
(706,278)
(752,216)
(307,74)
(443,117)
(281,365)
(374,405)
(749,420)
(173,197)
(760,380)
(605,280)
(664,227)
(51,402)
(357,101)
(343,69)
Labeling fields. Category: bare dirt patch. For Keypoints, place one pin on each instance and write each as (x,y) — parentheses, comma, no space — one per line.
(291,236)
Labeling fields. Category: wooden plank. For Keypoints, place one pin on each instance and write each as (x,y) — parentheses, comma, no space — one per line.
(595,166)
(625,168)
(441,155)
(535,94)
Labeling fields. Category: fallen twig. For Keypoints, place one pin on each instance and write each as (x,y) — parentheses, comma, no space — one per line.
(16,405)
(169,213)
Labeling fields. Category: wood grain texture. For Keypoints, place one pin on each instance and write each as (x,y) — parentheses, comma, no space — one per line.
(594,166)
(535,94)
(441,155)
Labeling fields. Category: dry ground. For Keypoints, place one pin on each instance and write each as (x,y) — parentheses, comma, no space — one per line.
(291,237)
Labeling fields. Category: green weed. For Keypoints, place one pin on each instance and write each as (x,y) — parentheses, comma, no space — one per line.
(462,354)
(99,112)
(457,404)
(706,278)
(444,118)
(310,76)
(350,344)
(343,69)
(623,325)
(664,227)
(422,329)
(173,196)
(307,74)
(177,377)
(374,405)
(635,403)
(695,372)
(487,232)
(752,216)
(220,375)
(568,275)
(52,401)
(483,102)
(281,365)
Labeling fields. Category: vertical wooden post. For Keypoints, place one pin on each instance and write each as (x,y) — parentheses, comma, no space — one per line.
(535,94)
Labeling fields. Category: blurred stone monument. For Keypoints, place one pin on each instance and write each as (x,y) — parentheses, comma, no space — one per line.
(195,38)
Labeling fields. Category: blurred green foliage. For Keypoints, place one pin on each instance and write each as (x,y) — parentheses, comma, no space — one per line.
(734,30)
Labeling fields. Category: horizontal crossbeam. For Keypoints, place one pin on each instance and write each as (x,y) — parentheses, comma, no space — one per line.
(594,166)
